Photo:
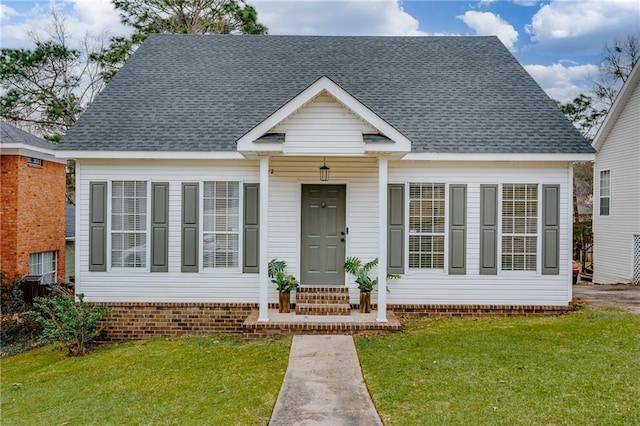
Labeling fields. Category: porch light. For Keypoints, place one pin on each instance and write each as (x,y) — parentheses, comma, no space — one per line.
(324,171)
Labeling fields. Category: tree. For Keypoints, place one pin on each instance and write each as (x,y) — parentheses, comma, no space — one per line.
(176,17)
(45,89)
(618,58)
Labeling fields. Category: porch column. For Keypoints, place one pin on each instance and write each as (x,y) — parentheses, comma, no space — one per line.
(263,315)
(382,239)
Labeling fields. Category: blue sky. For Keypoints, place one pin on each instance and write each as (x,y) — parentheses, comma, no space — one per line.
(557,41)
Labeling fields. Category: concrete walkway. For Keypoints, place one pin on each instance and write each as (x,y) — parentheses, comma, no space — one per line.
(324,385)
(623,296)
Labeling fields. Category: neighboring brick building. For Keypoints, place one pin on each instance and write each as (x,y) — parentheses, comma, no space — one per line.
(32,206)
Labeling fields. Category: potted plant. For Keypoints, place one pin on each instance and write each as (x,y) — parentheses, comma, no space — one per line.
(284,283)
(355,266)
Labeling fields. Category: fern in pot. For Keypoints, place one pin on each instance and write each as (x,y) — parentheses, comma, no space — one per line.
(366,284)
(284,283)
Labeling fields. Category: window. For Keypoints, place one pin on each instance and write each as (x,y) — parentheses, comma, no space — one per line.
(129,224)
(221,205)
(45,264)
(34,161)
(426,225)
(605,192)
(519,227)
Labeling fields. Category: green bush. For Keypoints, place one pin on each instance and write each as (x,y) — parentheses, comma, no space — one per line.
(69,323)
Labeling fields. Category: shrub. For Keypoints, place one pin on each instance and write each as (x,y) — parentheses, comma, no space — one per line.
(18,330)
(69,323)
(11,296)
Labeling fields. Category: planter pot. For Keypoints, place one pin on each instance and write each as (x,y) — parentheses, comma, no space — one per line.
(284,306)
(365,302)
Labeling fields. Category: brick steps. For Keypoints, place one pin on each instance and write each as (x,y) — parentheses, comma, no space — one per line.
(318,300)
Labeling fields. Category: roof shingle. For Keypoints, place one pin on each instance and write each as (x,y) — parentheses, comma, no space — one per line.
(203,92)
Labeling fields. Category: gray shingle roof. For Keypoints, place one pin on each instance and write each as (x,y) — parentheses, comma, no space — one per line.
(203,92)
(11,134)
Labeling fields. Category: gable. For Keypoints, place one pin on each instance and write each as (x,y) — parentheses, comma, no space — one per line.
(623,114)
(324,125)
(337,120)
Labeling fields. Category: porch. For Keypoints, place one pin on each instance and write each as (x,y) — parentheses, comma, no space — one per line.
(280,325)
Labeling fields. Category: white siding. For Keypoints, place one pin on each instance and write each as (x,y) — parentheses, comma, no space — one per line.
(360,177)
(613,234)
(518,288)
(172,286)
(323,127)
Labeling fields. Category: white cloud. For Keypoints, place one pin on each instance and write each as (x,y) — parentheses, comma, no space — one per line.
(345,17)
(569,19)
(486,23)
(6,13)
(96,18)
(561,82)
(526,3)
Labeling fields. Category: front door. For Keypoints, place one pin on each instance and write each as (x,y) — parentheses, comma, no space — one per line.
(323,239)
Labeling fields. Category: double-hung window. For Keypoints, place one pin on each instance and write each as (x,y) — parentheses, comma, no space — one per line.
(44,264)
(129,224)
(221,206)
(605,192)
(426,225)
(519,227)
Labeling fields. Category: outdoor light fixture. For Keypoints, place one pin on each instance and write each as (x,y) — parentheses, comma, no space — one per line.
(324,171)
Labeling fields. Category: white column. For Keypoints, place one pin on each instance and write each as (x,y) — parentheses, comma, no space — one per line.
(264,239)
(382,240)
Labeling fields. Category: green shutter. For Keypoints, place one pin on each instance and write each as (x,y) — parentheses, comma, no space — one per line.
(488,229)
(550,229)
(458,229)
(98,226)
(190,196)
(159,226)
(251,228)
(395,236)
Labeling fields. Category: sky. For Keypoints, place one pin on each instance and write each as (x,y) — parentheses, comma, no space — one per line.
(557,41)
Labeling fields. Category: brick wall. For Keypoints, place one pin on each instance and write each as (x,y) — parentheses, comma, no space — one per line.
(417,311)
(33,213)
(135,320)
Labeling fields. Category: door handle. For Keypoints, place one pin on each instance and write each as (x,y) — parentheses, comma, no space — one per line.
(342,240)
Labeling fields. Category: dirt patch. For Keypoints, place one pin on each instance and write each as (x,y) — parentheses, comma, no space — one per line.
(623,296)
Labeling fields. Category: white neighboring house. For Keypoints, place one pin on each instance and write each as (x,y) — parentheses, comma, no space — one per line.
(202,158)
(616,189)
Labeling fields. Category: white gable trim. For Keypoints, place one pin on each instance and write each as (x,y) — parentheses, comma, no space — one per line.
(246,142)
(617,107)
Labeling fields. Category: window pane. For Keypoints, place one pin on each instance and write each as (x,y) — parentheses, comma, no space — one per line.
(128,224)
(519,227)
(604,206)
(221,202)
(426,225)
(45,264)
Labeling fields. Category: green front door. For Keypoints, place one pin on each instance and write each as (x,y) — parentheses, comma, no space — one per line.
(323,234)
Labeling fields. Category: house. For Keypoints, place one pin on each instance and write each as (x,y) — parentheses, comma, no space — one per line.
(207,156)
(70,241)
(32,198)
(616,187)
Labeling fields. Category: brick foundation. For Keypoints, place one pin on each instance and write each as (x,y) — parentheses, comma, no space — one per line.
(137,320)
(133,320)
(418,311)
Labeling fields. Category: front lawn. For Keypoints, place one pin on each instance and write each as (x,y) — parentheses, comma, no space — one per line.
(582,368)
(196,380)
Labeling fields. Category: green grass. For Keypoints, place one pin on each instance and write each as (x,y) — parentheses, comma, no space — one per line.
(582,368)
(196,380)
